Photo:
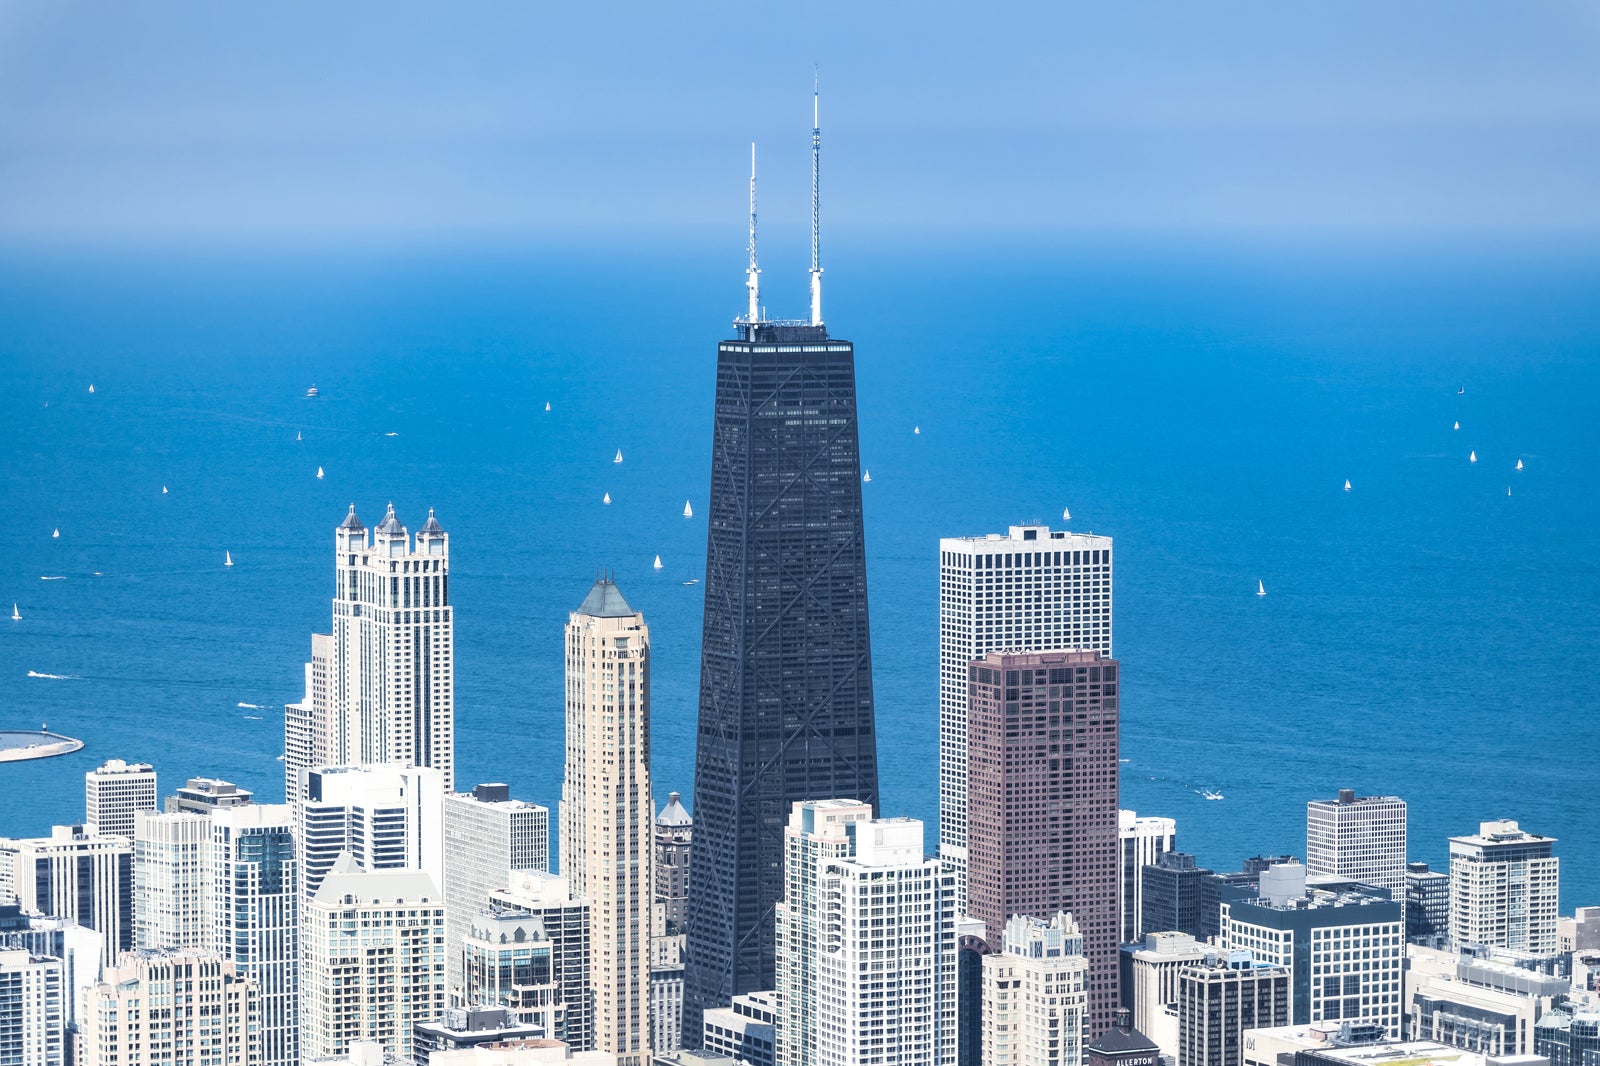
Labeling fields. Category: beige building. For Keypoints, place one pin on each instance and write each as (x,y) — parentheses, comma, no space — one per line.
(520,1053)
(1505,886)
(1154,972)
(1479,1004)
(1035,997)
(371,960)
(170,1008)
(172,881)
(607,814)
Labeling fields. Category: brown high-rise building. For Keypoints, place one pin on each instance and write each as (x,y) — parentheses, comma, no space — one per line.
(1042,801)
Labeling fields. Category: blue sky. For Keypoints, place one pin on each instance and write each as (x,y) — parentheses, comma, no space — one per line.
(180,119)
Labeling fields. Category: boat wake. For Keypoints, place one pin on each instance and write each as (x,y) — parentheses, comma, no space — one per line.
(53,577)
(55,677)
(252,718)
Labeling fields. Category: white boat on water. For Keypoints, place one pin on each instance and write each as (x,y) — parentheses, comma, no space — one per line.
(297,435)
(54,533)
(1066,514)
(319,473)
(657,565)
(866,475)
(163,490)
(1473,457)
(1261,589)
(1456,426)
(916,431)
(547,405)
(607,498)
(91,388)
(1347,484)
(16,615)
(1519,464)
(688,512)
(618,459)
(1461,390)
(227,558)
(1508,490)
(1210,794)
(312,393)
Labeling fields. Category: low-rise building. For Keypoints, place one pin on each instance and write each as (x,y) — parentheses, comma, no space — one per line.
(1478,1004)
(745,1029)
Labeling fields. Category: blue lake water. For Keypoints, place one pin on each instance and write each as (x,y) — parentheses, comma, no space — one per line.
(1423,634)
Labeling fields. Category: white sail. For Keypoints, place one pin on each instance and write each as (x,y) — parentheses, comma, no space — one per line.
(607,498)
(163,490)
(658,562)
(1347,484)
(916,430)
(1519,464)
(547,405)
(91,388)
(1261,589)
(55,533)
(1456,426)
(1508,490)
(297,435)
(618,459)
(688,512)
(866,475)
(227,558)
(16,615)
(319,471)
(1066,514)
(1473,457)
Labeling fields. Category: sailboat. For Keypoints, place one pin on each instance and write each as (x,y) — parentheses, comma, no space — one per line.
(1519,464)
(1508,490)
(866,475)
(163,490)
(1261,590)
(16,615)
(1347,484)
(547,405)
(1066,514)
(618,459)
(607,499)
(91,388)
(688,512)
(227,558)
(657,563)
(1473,457)
(55,533)
(916,430)
(319,472)
(1456,426)
(1461,390)
(297,435)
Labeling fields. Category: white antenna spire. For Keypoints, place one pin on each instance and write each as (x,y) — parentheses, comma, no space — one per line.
(753,273)
(816,202)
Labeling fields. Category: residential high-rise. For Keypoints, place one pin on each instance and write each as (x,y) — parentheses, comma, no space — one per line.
(1222,996)
(113,795)
(371,960)
(487,835)
(1042,801)
(673,833)
(381,687)
(1505,885)
(1359,838)
(202,795)
(866,949)
(1030,589)
(970,951)
(1035,997)
(172,881)
(607,814)
(1427,905)
(1143,841)
(506,969)
(1179,896)
(389,817)
(33,1009)
(76,875)
(786,710)
(78,949)
(171,1008)
(255,903)
(1343,944)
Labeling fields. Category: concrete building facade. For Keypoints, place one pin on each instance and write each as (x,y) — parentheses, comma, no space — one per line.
(113,795)
(33,1009)
(1358,838)
(172,881)
(1505,887)
(1219,998)
(170,1008)
(1143,841)
(78,876)
(1035,994)
(256,917)
(388,817)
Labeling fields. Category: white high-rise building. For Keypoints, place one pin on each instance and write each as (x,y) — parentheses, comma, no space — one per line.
(113,795)
(487,835)
(33,1009)
(255,908)
(1031,589)
(388,817)
(381,687)
(1036,995)
(1143,840)
(607,814)
(1358,838)
(170,1008)
(78,876)
(866,943)
(371,960)
(172,881)
(1505,886)
(503,971)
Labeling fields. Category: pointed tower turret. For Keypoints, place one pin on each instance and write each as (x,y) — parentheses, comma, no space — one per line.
(390,538)
(351,534)
(431,538)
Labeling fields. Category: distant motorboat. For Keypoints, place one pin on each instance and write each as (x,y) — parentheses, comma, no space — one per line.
(866,475)
(618,459)
(54,533)
(1519,464)
(1347,484)
(1261,590)
(16,615)
(1066,514)
(688,512)
(657,563)
(319,473)
(391,434)
(607,498)
(312,393)
(1473,457)
(227,558)
(1210,795)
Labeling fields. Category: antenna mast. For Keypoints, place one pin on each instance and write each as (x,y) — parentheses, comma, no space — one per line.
(816,203)
(753,272)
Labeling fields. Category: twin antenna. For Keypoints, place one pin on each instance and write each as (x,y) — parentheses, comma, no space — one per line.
(753,271)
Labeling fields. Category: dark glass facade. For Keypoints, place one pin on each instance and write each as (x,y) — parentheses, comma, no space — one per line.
(785,667)
(1178,896)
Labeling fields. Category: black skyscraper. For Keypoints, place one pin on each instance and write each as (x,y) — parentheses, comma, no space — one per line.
(785,668)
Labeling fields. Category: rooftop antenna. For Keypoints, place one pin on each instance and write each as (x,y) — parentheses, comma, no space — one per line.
(753,272)
(816,201)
